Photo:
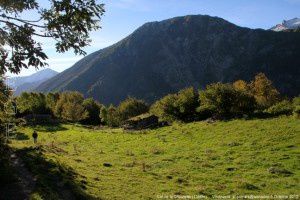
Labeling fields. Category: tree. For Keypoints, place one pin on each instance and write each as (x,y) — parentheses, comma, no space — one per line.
(284,107)
(32,103)
(68,22)
(110,116)
(296,107)
(103,115)
(132,107)
(4,97)
(93,109)
(165,108)
(51,101)
(264,92)
(186,104)
(4,94)
(224,101)
(181,106)
(70,107)
(241,85)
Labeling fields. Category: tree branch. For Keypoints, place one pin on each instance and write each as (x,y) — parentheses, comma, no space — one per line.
(34,33)
(24,21)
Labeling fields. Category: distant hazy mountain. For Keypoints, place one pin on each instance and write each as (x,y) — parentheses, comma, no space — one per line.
(163,57)
(286,25)
(29,83)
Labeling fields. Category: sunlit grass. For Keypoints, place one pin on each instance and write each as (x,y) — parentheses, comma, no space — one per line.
(234,157)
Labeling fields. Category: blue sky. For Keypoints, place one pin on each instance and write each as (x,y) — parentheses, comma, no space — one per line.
(122,17)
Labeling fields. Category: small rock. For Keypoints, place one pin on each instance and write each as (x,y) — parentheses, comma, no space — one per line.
(169,177)
(180,180)
(230,169)
(107,164)
(248,186)
(279,171)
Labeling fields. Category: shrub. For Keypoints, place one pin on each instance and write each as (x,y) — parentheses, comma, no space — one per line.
(128,108)
(296,106)
(181,106)
(245,103)
(32,103)
(70,107)
(264,92)
(223,101)
(110,116)
(93,111)
(296,101)
(241,85)
(186,104)
(284,107)
(131,107)
(51,101)
(205,112)
(165,108)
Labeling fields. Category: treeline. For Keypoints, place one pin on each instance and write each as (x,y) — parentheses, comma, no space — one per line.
(224,101)
(72,107)
(66,106)
(219,101)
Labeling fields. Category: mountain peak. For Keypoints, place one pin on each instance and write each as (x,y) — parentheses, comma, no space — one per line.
(28,83)
(163,57)
(290,24)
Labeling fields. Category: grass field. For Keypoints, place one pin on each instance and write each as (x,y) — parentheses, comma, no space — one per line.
(224,158)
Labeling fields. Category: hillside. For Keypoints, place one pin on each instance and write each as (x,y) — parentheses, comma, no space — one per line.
(29,83)
(163,57)
(236,157)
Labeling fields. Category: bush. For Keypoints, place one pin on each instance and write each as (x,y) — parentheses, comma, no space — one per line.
(51,101)
(205,112)
(165,108)
(181,106)
(32,103)
(264,92)
(284,107)
(128,108)
(93,111)
(110,116)
(296,106)
(186,103)
(223,101)
(245,103)
(296,101)
(131,107)
(70,107)
(296,112)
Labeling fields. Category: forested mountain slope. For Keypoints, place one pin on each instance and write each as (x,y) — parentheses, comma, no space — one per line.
(163,57)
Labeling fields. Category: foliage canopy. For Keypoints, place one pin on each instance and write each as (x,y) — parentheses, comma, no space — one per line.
(68,22)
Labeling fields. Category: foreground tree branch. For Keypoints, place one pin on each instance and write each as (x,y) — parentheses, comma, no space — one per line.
(68,22)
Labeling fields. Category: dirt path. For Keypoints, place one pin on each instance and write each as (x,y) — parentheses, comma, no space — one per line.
(26,179)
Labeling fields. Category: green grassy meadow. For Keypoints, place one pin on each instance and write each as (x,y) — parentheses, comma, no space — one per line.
(259,156)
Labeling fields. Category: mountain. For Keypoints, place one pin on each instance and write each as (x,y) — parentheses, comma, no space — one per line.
(286,25)
(29,83)
(163,57)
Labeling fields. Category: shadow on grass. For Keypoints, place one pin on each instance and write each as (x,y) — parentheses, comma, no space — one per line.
(53,180)
(20,136)
(49,128)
